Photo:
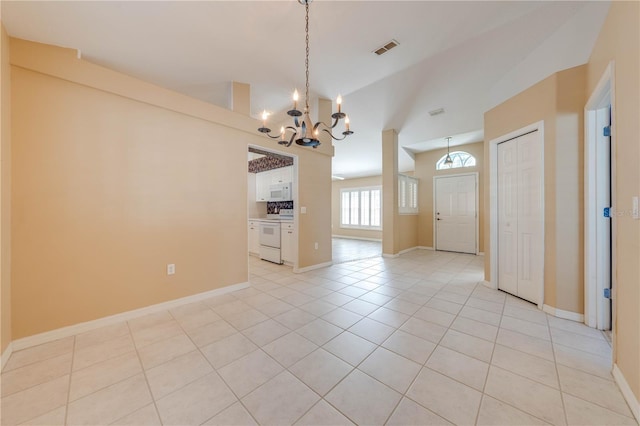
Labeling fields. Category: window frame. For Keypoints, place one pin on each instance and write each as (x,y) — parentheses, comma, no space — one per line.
(458,154)
(408,187)
(370,215)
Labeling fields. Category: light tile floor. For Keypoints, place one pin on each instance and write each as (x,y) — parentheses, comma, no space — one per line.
(412,340)
(347,250)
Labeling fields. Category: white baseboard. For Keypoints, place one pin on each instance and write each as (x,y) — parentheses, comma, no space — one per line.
(559,313)
(345,237)
(401,252)
(425,248)
(72,330)
(5,355)
(407,250)
(488,284)
(312,267)
(631,399)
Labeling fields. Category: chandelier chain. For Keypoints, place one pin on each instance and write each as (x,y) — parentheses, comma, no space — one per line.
(306,61)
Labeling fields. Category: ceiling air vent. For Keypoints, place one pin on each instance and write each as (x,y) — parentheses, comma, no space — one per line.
(387,47)
(436,112)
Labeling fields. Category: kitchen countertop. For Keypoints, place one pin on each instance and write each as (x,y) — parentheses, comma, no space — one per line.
(264,219)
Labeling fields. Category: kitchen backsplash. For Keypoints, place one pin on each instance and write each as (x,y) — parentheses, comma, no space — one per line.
(276,206)
(270,162)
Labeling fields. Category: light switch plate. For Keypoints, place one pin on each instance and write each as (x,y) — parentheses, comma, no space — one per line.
(303,210)
(634,207)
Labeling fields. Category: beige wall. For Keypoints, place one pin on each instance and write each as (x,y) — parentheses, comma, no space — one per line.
(113,178)
(407,229)
(254,209)
(425,172)
(5,186)
(558,101)
(336,186)
(619,41)
(399,232)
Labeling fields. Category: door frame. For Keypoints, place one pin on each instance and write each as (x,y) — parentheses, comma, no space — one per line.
(594,310)
(294,194)
(537,127)
(477,219)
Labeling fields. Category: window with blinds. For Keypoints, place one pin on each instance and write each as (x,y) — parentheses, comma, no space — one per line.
(407,195)
(361,208)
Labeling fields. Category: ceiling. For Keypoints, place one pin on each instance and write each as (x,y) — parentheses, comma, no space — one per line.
(463,56)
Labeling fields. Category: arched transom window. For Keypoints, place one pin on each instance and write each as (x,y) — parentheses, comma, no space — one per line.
(459,158)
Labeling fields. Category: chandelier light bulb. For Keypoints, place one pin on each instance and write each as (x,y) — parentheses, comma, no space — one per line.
(339,102)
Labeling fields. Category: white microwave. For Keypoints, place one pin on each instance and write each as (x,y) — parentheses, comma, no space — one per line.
(281,192)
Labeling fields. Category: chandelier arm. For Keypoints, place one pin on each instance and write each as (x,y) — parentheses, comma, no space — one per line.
(273,137)
(335,123)
(333,137)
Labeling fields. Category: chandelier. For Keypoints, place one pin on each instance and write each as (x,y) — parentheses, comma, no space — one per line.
(304,132)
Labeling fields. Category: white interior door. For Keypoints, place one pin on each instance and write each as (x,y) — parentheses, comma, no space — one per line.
(456,213)
(520,218)
(508,217)
(603,224)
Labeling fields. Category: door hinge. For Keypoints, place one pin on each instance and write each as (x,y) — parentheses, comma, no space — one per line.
(606,131)
(607,293)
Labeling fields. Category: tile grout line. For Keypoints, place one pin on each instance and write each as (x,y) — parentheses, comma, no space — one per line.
(146,379)
(555,365)
(238,399)
(493,350)
(66,408)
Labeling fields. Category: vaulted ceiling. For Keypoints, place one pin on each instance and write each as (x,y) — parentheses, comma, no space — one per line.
(464,57)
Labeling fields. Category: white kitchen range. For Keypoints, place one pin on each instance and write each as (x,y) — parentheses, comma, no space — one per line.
(272,238)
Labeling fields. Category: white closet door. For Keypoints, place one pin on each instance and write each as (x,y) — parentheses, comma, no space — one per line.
(530,231)
(508,217)
(456,213)
(520,224)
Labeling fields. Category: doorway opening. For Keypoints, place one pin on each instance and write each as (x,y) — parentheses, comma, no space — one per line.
(600,217)
(272,194)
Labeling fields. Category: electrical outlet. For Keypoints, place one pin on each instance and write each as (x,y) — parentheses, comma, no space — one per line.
(171,268)
(316,246)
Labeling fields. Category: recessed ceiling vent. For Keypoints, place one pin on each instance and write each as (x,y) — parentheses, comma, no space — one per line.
(436,112)
(387,47)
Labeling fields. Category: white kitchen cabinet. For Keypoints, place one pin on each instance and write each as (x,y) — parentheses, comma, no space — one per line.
(265,179)
(282,175)
(287,243)
(254,237)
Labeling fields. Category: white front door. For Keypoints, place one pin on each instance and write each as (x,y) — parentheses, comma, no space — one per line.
(456,213)
(520,224)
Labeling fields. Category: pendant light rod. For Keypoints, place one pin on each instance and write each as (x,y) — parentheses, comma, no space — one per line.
(448,161)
